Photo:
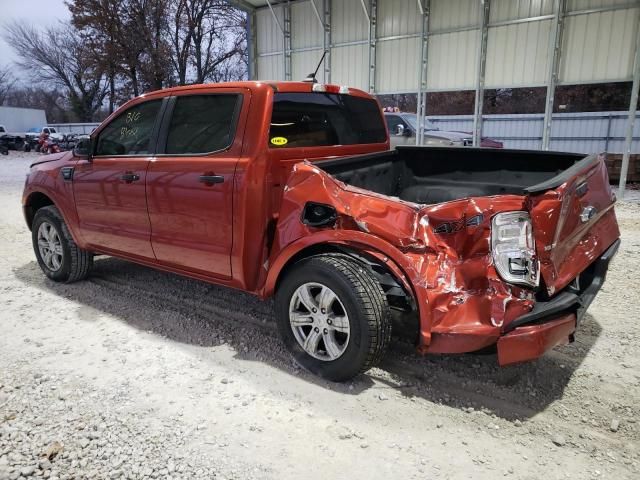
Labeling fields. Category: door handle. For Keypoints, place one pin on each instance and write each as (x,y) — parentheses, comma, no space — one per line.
(211,179)
(130,177)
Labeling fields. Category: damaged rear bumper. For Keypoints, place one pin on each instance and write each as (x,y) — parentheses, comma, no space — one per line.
(553,322)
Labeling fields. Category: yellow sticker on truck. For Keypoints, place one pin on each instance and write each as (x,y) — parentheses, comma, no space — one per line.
(279,141)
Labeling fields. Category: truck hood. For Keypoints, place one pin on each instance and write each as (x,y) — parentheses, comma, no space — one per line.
(453,136)
(51,158)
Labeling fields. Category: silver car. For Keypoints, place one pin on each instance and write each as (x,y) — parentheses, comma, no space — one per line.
(402,131)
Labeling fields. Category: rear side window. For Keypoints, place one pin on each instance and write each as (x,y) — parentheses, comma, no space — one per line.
(202,124)
(320,119)
(130,133)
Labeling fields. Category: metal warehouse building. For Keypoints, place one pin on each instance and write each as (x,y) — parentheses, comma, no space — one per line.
(401,46)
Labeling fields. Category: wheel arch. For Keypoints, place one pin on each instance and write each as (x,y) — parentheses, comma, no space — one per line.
(388,272)
(34,202)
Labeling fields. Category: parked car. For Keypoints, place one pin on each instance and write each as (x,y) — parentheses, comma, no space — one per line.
(4,146)
(289,189)
(403,126)
(11,140)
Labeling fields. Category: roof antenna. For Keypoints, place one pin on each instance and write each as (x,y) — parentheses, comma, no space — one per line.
(311,78)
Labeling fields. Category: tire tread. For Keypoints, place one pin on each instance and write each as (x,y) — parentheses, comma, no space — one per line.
(81,260)
(371,297)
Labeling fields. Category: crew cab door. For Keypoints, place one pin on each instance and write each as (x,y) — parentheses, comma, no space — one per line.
(573,221)
(109,189)
(190,182)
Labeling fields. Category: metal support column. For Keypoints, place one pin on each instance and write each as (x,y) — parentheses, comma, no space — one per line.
(555,53)
(482,62)
(286,10)
(252,44)
(286,36)
(633,105)
(372,18)
(421,107)
(326,8)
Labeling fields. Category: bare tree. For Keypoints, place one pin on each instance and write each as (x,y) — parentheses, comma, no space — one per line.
(52,101)
(110,28)
(6,83)
(58,55)
(181,39)
(97,23)
(218,36)
(207,41)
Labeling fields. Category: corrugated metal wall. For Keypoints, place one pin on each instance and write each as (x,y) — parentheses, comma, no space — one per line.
(597,45)
(589,132)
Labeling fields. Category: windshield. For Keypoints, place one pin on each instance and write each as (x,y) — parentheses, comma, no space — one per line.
(52,130)
(413,119)
(321,119)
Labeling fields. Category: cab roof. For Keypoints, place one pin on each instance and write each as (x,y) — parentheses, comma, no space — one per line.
(276,85)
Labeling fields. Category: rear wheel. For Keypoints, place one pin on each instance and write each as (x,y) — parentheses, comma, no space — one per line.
(58,255)
(333,316)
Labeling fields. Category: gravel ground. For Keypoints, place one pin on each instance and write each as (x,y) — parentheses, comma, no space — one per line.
(141,374)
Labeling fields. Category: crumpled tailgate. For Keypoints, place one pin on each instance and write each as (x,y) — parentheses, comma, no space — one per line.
(573,221)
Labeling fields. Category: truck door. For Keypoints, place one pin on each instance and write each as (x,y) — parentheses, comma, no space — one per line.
(109,189)
(190,184)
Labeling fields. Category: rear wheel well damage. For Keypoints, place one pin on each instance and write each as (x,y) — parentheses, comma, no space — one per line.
(400,299)
(35,202)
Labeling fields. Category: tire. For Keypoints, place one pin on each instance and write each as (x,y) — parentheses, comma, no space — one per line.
(340,353)
(68,263)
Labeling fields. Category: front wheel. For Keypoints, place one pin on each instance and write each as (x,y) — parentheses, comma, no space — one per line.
(57,253)
(333,316)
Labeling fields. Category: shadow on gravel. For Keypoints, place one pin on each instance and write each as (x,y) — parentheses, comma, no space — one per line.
(197,313)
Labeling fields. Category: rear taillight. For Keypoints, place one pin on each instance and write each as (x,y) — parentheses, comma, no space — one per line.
(513,248)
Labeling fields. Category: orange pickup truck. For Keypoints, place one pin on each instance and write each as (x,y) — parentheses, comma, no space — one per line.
(290,189)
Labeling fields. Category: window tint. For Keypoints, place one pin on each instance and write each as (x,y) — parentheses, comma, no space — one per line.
(202,123)
(130,132)
(316,119)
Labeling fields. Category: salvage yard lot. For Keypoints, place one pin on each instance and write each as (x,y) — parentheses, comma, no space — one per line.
(136,373)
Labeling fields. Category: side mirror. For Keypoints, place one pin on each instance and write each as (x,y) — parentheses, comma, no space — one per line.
(82,148)
(400,130)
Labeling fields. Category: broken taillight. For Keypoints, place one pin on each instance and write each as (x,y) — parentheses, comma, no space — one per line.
(513,248)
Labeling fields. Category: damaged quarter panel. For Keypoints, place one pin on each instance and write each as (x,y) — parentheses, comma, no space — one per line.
(442,250)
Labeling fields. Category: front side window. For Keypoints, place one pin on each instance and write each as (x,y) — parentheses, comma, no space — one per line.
(202,124)
(130,133)
(321,119)
(392,123)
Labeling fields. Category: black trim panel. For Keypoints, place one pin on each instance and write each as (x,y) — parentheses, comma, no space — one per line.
(565,176)
(568,301)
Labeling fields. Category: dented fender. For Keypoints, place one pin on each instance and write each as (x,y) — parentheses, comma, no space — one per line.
(441,252)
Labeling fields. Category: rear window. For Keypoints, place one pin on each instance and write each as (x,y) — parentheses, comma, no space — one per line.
(320,119)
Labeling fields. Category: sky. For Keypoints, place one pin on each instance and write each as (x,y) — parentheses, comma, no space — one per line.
(37,12)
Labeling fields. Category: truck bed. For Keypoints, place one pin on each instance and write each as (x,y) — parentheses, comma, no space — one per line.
(430,175)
